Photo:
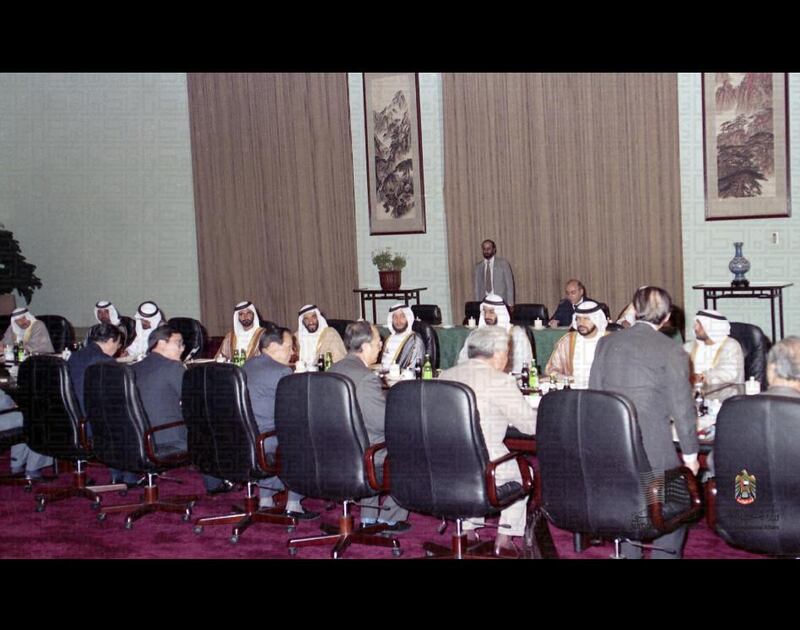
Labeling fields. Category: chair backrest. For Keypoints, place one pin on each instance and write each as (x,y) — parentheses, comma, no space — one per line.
(340,325)
(436,451)
(221,430)
(471,309)
(5,322)
(62,335)
(428,313)
(117,417)
(322,436)
(50,410)
(193,334)
(593,465)
(755,346)
(527,314)
(759,436)
(128,324)
(431,339)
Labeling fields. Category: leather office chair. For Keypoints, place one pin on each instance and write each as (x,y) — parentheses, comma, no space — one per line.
(128,325)
(755,347)
(428,313)
(53,426)
(224,442)
(439,462)
(5,322)
(527,314)
(62,335)
(752,501)
(471,309)
(193,333)
(340,325)
(595,476)
(431,339)
(325,452)
(122,438)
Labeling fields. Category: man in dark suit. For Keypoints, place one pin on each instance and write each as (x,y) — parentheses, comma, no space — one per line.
(574,294)
(263,373)
(104,341)
(493,275)
(652,371)
(363,343)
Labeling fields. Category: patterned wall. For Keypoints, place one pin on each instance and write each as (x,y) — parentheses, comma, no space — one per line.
(96,184)
(708,245)
(426,253)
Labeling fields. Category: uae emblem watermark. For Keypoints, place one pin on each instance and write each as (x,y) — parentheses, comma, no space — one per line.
(744,488)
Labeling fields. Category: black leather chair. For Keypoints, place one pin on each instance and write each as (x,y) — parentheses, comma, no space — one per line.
(193,333)
(5,322)
(325,452)
(224,442)
(755,347)
(54,427)
(428,313)
(527,314)
(471,309)
(595,476)
(753,500)
(431,339)
(128,324)
(340,325)
(439,462)
(122,438)
(62,335)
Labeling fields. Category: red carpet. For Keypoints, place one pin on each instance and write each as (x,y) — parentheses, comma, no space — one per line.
(70,529)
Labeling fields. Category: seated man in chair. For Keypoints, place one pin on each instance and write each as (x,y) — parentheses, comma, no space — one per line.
(500,404)
(716,357)
(404,346)
(574,352)
(28,332)
(783,368)
(315,337)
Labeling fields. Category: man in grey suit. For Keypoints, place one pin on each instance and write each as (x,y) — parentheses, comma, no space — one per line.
(783,368)
(363,343)
(263,373)
(652,371)
(493,275)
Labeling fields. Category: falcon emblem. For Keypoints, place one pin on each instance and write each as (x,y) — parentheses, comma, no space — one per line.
(744,488)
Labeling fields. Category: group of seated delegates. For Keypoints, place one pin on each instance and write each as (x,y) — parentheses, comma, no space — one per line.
(574,352)
(495,312)
(403,346)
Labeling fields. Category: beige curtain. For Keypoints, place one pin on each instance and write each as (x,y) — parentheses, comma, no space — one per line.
(273,183)
(573,175)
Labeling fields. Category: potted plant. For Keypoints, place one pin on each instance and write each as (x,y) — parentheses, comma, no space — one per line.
(15,272)
(389,265)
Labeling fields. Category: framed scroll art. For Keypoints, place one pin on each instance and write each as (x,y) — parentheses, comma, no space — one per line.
(746,145)
(394,153)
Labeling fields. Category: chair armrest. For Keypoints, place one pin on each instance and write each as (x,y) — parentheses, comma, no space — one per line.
(85,443)
(656,505)
(491,471)
(10,410)
(369,462)
(149,445)
(262,456)
(711,504)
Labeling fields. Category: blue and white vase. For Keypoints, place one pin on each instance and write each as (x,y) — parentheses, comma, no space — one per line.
(739,266)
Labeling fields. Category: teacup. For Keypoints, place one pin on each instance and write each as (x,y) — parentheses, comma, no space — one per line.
(537,324)
(471,322)
(300,367)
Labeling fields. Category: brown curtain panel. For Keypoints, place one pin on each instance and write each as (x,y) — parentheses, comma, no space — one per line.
(572,175)
(273,184)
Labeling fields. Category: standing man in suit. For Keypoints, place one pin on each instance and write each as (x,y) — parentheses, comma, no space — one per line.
(363,343)
(652,371)
(263,373)
(493,275)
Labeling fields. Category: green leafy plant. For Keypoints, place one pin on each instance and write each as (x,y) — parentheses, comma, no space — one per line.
(387,260)
(15,272)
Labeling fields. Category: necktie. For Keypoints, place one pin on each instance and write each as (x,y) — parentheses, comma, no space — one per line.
(487,279)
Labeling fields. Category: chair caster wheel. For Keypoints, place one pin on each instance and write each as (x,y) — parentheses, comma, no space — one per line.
(186,516)
(191,504)
(198,529)
(397,552)
(290,529)
(40,507)
(95,505)
(101,516)
(292,551)
(28,487)
(429,554)
(128,524)
(234,539)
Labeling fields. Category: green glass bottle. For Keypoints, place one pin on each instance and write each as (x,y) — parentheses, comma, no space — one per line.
(427,368)
(533,377)
(328,361)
